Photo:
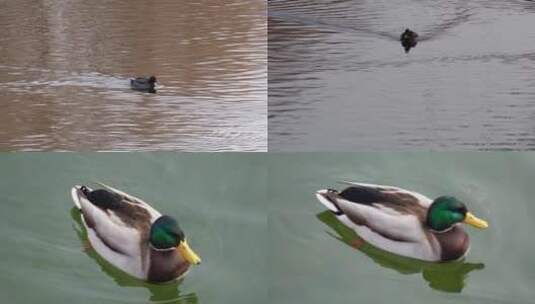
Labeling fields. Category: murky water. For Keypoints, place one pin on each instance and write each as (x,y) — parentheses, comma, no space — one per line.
(64,70)
(339,78)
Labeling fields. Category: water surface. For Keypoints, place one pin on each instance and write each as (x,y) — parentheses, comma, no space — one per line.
(340,80)
(44,257)
(65,69)
(263,236)
(314,258)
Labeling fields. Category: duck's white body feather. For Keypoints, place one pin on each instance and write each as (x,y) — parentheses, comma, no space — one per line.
(382,225)
(423,250)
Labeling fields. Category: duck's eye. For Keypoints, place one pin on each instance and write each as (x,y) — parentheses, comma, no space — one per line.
(84,189)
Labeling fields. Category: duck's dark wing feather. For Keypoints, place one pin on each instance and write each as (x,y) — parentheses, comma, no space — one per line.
(362,193)
(127,210)
(133,200)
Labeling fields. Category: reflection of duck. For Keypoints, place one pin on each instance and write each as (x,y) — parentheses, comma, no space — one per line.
(168,293)
(143,84)
(403,222)
(408,39)
(132,235)
(448,277)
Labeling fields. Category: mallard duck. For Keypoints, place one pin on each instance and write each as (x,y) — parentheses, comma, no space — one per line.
(408,39)
(143,84)
(132,235)
(404,222)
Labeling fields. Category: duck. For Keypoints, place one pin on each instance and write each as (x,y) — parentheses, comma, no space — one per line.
(145,84)
(403,222)
(408,39)
(133,236)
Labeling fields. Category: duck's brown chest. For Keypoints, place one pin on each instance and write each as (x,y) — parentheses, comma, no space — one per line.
(453,243)
(166,266)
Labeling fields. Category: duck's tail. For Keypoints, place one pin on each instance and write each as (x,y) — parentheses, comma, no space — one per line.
(76,192)
(76,196)
(327,198)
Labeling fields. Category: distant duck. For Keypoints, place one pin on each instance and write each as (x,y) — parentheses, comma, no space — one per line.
(143,84)
(408,39)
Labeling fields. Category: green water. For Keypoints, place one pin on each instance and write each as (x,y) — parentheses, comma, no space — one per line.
(218,199)
(311,260)
(263,237)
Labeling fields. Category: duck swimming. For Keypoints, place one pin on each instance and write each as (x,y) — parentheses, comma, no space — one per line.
(143,84)
(408,39)
(404,222)
(133,236)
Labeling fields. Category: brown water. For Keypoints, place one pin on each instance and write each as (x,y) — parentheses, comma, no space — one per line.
(340,80)
(65,68)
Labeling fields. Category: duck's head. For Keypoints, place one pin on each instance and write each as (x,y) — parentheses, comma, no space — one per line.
(408,34)
(165,234)
(152,79)
(446,211)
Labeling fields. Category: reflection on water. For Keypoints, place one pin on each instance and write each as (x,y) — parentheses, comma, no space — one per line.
(449,277)
(160,293)
(340,80)
(65,69)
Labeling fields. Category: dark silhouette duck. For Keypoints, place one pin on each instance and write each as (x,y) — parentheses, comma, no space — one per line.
(408,39)
(143,84)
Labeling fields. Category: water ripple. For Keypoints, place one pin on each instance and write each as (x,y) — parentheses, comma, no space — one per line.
(339,79)
(64,70)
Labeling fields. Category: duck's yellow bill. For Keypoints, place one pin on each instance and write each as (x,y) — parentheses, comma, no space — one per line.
(188,254)
(471,219)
